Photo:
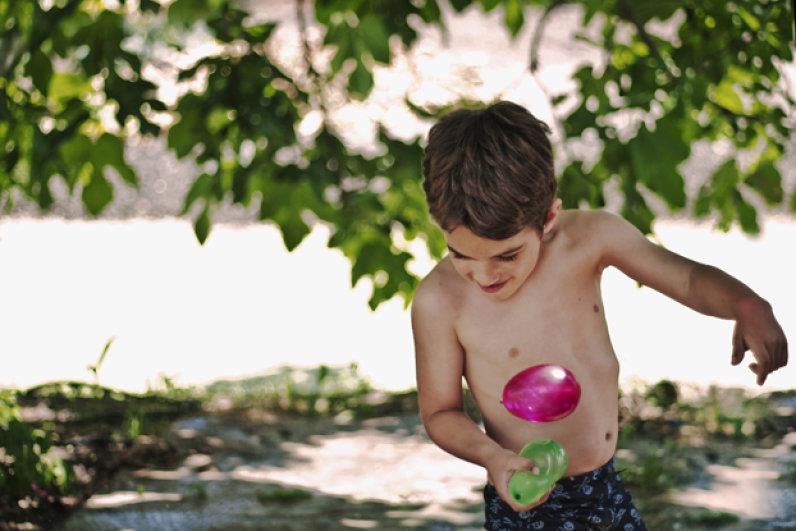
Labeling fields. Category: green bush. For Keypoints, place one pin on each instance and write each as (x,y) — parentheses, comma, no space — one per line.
(282,495)
(731,413)
(663,394)
(790,472)
(708,518)
(25,456)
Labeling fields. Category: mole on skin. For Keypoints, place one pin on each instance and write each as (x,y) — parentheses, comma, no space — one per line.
(596,309)
(514,352)
(607,435)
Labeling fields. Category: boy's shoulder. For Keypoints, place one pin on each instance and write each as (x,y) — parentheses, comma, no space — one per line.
(440,288)
(443,286)
(586,225)
(595,232)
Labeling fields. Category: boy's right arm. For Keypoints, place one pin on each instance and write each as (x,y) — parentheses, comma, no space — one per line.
(440,365)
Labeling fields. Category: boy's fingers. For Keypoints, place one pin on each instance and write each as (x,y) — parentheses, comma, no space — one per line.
(738,348)
(737,356)
(761,375)
(530,506)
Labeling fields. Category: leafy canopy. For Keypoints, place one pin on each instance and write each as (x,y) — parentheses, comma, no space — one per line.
(66,66)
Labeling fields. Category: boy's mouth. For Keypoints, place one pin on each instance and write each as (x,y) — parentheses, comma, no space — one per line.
(492,288)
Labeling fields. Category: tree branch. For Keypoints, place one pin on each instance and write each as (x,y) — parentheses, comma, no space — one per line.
(533,56)
(626,11)
(305,45)
(533,61)
(55,14)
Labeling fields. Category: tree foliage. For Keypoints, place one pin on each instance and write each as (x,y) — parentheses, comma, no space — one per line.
(68,68)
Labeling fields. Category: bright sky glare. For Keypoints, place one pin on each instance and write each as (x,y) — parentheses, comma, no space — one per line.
(241,305)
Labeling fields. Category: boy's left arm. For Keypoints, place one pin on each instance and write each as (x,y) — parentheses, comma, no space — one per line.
(701,287)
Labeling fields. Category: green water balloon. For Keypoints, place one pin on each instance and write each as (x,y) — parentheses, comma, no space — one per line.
(551,460)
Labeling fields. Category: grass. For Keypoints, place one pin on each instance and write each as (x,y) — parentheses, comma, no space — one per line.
(663,438)
(708,518)
(282,495)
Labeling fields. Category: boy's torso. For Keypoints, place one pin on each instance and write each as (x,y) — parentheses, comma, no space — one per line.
(556,316)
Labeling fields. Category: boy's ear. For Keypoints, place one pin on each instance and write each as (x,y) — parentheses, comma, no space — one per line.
(552,215)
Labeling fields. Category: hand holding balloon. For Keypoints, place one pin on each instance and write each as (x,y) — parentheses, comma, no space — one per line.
(550,458)
(542,393)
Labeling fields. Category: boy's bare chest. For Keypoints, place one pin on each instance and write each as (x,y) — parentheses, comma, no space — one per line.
(559,319)
(553,318)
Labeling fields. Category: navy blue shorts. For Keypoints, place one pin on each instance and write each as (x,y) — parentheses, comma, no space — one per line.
(586,502)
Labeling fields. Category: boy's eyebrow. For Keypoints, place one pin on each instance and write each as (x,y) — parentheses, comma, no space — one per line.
(507,251)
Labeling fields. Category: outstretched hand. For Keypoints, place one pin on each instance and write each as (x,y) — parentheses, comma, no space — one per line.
(757,329)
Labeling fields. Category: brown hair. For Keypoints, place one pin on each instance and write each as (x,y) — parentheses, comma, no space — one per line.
(490,170)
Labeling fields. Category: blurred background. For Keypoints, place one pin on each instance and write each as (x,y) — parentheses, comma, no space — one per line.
(217,205)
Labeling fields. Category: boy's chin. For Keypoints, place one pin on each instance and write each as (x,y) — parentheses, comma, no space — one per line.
(505,292)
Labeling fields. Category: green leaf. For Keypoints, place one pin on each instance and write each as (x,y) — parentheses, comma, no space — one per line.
(724,95)
(361,81)
(65,85)
(186,12)
(293,228)
(746,214)
(661,9)
(76,151)
(149,5)
(283,202)
(721,194)
(767,181)
(580,120)
(201,187)
(259,33)
(374,36)
(489,5)
(655,157)
(750,19)
(340,36)
(109,151)
(218,118)
(184,135)
(513,16)
(635,208)
(97,193)
(460,5)
(201,226)
(41,70)
(575,186)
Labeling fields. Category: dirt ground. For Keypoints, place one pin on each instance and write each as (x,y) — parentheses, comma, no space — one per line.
(261,471)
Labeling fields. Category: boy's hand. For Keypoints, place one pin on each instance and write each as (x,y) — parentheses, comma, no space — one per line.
(500,466)
(757,330)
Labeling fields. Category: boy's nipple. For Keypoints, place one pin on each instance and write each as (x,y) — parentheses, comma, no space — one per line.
(514,352)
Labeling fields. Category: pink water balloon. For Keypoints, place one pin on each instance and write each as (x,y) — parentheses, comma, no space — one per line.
(542,393)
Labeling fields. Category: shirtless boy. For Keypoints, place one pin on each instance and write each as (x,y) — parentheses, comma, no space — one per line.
(521,287)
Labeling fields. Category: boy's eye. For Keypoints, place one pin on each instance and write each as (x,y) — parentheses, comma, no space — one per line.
(501,258)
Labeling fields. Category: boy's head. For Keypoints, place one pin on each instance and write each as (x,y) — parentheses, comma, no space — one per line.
(490,186)
(490,170)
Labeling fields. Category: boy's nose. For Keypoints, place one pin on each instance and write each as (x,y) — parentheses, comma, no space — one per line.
(486,276)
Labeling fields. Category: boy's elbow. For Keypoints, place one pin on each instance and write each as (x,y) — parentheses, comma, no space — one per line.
(430,419)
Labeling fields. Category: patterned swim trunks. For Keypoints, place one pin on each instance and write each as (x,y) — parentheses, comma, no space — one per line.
(592,501)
